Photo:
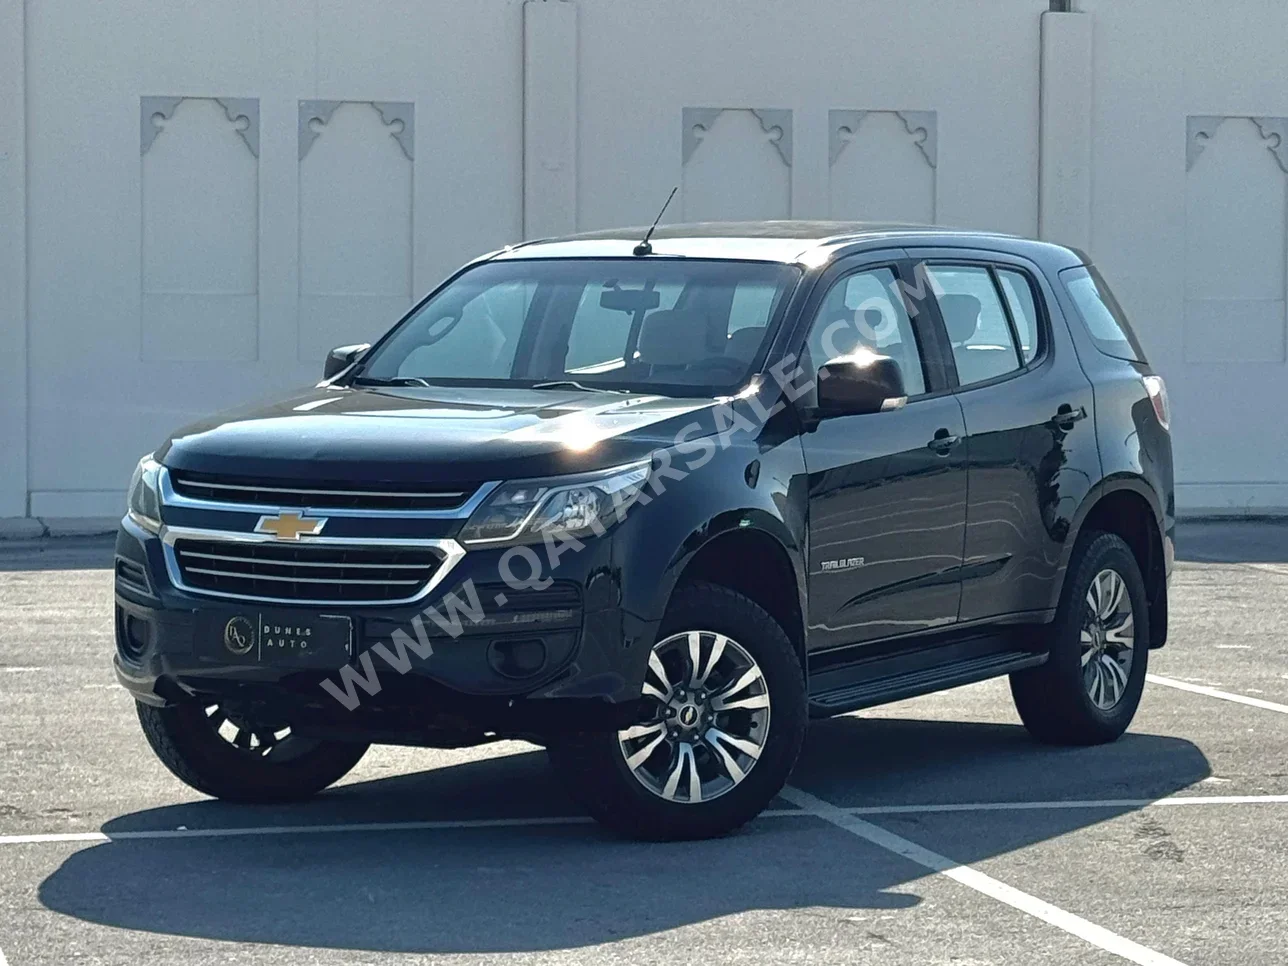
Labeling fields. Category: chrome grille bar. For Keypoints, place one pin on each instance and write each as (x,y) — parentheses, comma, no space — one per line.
(187,490)
(300,563)
(261,488)
(253,567)
(338,581)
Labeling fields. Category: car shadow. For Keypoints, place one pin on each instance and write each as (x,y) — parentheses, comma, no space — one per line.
(543,887)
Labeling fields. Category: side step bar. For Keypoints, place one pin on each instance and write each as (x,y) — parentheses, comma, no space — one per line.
(911,684)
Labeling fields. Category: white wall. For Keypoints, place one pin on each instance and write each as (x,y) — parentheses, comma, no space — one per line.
(13,262)
(311,166)
(1197,252)
(197,274)
(824,61)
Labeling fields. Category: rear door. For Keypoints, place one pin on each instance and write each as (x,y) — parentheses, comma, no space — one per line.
(1031,439)
(887,491)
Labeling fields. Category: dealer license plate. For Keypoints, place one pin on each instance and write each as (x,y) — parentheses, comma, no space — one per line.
(276,638)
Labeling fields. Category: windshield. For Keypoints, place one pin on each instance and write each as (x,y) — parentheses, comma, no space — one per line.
(679,326)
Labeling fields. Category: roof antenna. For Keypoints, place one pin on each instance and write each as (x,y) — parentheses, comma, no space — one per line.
(645,247)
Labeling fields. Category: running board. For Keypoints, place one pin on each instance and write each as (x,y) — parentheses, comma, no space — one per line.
(911,684)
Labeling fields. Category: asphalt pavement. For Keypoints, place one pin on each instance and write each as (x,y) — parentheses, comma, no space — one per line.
(932,831)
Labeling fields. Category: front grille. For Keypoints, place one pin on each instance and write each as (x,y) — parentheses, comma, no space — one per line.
(318,494)
(318,572)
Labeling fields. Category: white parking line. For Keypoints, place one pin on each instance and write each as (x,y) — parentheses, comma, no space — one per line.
(1214,693)
(1082,803)
(99,838)
(3,961)
(1089,932)
(46,838)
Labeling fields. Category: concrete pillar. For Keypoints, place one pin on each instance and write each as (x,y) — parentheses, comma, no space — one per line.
(1064,168)
(549,118)
(13,260)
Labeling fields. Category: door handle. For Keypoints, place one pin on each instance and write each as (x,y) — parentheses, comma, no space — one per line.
(943,442)
(1066,416)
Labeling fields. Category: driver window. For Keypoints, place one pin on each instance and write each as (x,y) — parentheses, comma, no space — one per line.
(864,310)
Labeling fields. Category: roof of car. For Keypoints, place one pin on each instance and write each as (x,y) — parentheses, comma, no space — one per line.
(773,241)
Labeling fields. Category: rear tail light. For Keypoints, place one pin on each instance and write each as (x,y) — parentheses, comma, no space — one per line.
(1157,390)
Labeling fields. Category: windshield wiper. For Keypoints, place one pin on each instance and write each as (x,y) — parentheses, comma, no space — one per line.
(570,384)
(395,381)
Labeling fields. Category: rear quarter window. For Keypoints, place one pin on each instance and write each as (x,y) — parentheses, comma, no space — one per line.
(1101,314)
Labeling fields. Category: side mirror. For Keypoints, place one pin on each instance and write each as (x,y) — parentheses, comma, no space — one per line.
(342,358)
(860,383)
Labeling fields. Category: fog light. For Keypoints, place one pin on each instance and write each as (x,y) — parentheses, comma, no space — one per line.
(132,635)
(517,659)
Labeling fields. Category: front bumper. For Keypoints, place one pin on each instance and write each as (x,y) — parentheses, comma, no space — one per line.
(584,653)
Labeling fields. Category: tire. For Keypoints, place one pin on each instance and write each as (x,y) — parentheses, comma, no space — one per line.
(263,768)
(1060,702)
(634,802)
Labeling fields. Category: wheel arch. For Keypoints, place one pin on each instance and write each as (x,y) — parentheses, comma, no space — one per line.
(751,558)
(1128,507)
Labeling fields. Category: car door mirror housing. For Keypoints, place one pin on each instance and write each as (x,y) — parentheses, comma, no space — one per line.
(342,357)
(862,382)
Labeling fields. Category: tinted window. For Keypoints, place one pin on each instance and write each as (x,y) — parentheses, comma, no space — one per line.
(647,324)
(753,306)
(983,346)
(863,311)
(753,303)
(1101,314)
(1019,299)
(598,335)
(484,339)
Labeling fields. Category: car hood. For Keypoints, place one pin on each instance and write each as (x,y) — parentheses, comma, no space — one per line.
(434,435)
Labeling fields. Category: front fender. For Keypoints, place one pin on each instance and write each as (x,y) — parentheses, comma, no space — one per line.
(744,487)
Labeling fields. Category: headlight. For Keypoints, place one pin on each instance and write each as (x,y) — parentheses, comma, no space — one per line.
(526,510)
(144,502)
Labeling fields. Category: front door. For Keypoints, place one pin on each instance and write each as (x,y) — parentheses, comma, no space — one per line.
(887,491)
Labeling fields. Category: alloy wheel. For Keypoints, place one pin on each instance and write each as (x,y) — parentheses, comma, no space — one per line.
(1108,639)
(273,742)
(706,721)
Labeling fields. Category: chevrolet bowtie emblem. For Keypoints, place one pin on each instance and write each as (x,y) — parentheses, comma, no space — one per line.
(290,526)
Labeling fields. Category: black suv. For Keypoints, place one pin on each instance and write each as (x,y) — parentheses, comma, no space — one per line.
(655,505)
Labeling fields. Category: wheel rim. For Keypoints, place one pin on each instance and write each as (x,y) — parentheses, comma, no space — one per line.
(275,743)
(706,719)
(1108,639)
